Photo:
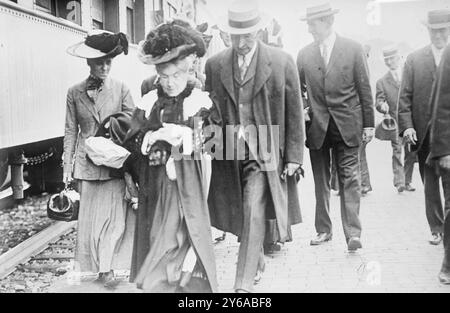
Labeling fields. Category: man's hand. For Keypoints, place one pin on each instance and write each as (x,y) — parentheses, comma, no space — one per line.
(368,134)
(306,114)
(444,162)
(67,177)
(411,136)
(384,107)
(289,170)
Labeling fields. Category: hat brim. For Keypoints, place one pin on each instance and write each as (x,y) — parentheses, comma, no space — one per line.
(319,15)
(436,26)
(81,50)
(225,27)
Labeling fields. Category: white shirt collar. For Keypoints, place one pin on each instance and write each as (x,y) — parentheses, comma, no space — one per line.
(248,57)
(329,41)
(437,53)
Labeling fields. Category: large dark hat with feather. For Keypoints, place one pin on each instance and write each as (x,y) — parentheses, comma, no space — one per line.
(99,44)
(170,41)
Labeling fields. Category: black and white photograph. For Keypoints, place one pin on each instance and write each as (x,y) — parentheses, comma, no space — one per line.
(224,147)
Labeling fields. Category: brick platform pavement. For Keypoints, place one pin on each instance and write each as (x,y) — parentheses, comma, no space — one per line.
(396,256)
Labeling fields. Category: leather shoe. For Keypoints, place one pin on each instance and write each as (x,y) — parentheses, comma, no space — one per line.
(400,189)
(321,239)
(410,188)
(354,244)
(444,278)
(365,190)
(435,239)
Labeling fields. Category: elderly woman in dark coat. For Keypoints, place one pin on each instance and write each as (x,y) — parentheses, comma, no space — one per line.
(101,243)
(172,249)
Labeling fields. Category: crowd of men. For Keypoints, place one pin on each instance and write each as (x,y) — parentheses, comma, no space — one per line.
(329,92)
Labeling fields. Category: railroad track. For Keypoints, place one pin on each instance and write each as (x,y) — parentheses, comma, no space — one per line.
(36,263)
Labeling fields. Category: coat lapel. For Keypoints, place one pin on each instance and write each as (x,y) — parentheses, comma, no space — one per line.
(104,96)
(390,80)
(87,102)
(430,63)
(263,69)
(226,74)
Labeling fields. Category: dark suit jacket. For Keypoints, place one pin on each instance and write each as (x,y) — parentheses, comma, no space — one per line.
(388,91)
(414,109)
(342,91)
(276,101)
(83,118)
(440,129)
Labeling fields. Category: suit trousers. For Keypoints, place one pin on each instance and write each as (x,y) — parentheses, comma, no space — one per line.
(403,171)
(255,200)
(364,168)
(365,176)
(348,169)
(430,179)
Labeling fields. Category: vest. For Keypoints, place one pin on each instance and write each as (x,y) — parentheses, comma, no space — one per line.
(244,96)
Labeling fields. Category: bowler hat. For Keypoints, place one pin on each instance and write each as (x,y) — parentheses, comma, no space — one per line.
(244,17)
(318,11)
(438,19)
(100,44)
(387,129)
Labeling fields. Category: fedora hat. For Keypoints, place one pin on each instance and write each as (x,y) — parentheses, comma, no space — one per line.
(390,51)
(318,11)
(99,44)
(438,19)
(387,129)
(243,17)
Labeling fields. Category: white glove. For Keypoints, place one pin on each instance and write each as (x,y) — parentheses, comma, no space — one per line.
(170,169)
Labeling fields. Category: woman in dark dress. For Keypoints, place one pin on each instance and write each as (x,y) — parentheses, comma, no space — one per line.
(172,249)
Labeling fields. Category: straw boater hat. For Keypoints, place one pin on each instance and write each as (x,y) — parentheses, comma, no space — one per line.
(438,19)
(318,11)
(390,51)
(243,17)
(169,41)
(99,44)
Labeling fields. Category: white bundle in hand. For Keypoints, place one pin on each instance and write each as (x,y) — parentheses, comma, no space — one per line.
(104,152)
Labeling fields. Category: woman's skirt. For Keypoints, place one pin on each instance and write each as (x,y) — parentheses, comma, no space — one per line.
(162,270)
(105,227)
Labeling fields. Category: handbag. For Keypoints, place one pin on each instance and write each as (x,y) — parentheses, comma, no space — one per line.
(64,206)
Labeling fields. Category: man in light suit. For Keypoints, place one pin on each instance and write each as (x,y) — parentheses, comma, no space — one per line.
(387,103)
(256,87)
(334,78)
(440,148)
(415,112)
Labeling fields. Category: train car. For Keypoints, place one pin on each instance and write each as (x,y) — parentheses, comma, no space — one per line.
(36,71)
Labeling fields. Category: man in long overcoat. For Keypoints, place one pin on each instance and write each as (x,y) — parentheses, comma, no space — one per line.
(414,113)
(335,82)
(440,147)
(257,88)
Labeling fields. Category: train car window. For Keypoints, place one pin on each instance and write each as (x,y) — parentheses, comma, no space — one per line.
(47,6)
(158,12)
(97,13)
(130,24)
(66,9)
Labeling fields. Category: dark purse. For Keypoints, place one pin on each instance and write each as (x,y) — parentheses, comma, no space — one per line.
(64,206)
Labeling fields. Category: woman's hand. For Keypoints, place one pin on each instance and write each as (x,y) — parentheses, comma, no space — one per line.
(147,143)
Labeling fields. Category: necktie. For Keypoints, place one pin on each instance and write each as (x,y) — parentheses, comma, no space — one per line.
(325,54)
(243,68)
